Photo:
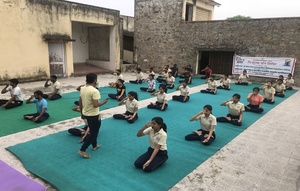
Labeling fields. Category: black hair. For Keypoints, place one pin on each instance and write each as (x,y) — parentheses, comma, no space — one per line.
(151,68)
(152,75)
(280,76)
(160,122)
(14,80)
(208,107)
(53,76)
(170,73)
(118,70)
(237,96)
(91,77)
(164,87)
(39,93)
(226,75)
(279,80)
(138,69)
(175,65)
(245,71)
(212,76)
(133,94)
(256,88)
(290,74)
(120,80)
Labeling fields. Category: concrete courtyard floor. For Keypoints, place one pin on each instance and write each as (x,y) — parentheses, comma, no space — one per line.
(264,157)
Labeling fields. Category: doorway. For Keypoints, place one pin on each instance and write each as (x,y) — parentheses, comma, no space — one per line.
(219,61)
(57,59)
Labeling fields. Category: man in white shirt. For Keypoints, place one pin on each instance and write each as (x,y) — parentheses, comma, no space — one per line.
(55,88)
(16,98)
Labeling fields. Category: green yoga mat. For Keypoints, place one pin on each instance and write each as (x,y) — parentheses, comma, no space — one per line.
(60,110)
(55,159)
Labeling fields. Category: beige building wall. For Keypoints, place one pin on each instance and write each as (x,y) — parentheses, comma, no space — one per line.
(203,10)
(24,53)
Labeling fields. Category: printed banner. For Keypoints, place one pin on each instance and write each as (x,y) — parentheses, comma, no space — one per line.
(263,66)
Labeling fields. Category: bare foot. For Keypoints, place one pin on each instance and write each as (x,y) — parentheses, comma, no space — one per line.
(84,154)
(96,147)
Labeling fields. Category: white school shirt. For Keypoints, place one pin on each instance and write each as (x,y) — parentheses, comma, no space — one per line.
(243,78)
(131,105)
(55,86)
(235,108)
(15,91)
(279,88)
(289,82)
(267,92)
(119,76)
(211,84)
(170,80)
(139,76)
(183,90)
(207,122)
(159,138)
(161,97)
(226,82)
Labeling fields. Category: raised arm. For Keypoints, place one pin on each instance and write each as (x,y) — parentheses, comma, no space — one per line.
(140,132)
(28,101)
(225,102)
(4,90)
(47,83)
(195,116)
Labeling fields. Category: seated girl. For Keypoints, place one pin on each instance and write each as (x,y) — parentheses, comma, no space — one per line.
(184,93)
(225,83)
(268,92)
(289,82)
(255,101)
(206,133)
(279,88)
(151,84)
(170,80)
(157,154)
(139,77)
(132,106)
(235,111)
(212,86)
(161,103)
(121,91)
(243,79)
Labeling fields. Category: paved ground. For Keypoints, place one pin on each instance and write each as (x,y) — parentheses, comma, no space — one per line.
(264,157)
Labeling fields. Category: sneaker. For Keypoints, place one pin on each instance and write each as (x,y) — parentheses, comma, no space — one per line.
(96,147)
(84,154)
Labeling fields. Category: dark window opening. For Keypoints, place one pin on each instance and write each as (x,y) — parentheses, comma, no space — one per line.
(189,12)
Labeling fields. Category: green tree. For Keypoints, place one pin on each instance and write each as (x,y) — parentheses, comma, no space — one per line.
(239,17)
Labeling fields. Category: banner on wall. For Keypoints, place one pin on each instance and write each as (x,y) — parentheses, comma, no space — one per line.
(263,66)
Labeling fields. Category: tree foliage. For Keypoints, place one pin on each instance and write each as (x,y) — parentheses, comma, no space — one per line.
(239,17)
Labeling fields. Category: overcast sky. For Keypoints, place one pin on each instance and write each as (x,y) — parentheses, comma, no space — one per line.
(228,8)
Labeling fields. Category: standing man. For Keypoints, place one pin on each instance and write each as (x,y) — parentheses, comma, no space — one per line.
(16,98)
(41,107)
(89,108)
(55,88)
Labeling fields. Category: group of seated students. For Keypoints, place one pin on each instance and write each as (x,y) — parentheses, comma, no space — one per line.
(205,134)
(166,80)
(38,97)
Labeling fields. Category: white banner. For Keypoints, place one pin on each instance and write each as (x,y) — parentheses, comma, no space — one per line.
(263,66)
